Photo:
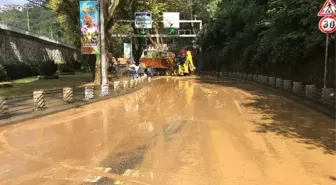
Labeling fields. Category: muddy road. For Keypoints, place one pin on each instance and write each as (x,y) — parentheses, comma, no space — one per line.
(174,132)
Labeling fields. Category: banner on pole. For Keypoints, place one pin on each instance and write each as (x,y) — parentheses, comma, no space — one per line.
(127,50)
(89,23)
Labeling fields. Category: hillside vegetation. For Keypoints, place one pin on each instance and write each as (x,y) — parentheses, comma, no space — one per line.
(41,21)
(270,37)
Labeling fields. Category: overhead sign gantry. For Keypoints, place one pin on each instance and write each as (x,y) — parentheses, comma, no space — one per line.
(171,21)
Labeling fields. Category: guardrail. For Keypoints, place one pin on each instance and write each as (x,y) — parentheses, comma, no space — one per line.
(42,101)
(324,96)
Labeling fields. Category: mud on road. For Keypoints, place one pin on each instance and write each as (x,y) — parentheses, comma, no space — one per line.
(174,132)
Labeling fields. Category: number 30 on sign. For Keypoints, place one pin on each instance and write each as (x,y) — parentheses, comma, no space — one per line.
(327,24)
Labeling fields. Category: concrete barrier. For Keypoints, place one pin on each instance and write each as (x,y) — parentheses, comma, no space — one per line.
(279,83)
(245,76)
(89,92)
(297,87)
(310,90)
(132,83)
(116,86)
(39,102)
(328,95)
(265,79)
(104,89)
(255,77)
(3,107)
(271,81)
(250,77)
(68,95)
(287,85)
(125,84)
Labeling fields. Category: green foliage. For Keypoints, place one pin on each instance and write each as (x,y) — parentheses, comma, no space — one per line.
(264,36)
(3,73)
(41,21)
(65,68)
(47,68)
(19,70)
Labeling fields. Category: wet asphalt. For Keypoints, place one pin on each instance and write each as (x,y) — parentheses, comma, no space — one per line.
(175,131)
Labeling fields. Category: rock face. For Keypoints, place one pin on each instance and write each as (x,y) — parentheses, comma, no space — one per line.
(17,45)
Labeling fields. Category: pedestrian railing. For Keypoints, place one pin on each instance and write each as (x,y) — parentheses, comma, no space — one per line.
(55,99)
(323,96)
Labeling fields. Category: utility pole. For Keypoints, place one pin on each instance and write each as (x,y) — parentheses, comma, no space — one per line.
(102,43)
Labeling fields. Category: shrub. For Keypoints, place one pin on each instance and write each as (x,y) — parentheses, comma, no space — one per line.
(66,68)
(47,68)
(77,65)
(20,70)
(3,73)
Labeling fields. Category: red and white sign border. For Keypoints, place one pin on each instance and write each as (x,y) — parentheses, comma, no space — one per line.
(320,14)
(321,28)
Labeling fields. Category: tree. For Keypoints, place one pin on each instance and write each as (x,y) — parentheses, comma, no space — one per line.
(271,37)
(68,17)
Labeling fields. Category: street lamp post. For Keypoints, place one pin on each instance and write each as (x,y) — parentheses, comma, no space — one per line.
(51,30)
(27,8)
(102,43)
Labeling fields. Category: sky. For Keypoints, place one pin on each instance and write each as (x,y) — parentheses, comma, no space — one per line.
(18,2)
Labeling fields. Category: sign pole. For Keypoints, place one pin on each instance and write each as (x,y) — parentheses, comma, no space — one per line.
(326,62)
(102,43)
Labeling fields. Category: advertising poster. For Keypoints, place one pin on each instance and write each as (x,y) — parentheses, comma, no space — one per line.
(127,50)
(89,23)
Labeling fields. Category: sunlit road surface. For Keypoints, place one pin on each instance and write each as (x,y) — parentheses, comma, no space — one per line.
(174,132)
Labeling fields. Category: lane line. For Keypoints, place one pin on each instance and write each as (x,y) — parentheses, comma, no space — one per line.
(238,107)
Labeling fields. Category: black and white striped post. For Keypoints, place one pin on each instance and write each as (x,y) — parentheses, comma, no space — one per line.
(89,92)
(67,95)
(116,86)
(39,102)
(3,107)
(125,85)
(105,89)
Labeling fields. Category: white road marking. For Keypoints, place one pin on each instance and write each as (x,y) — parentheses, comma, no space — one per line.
(238,106)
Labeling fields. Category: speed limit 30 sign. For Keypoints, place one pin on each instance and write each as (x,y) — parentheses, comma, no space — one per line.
(328,24)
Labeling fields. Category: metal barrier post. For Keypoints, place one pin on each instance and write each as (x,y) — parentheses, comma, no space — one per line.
(39,102)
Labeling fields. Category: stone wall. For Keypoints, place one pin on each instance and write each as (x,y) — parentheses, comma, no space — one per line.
(22,46)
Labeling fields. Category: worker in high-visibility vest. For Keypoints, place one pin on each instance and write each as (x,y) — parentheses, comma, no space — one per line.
(189,61)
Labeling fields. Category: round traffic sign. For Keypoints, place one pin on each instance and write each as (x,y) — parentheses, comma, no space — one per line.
(327,24)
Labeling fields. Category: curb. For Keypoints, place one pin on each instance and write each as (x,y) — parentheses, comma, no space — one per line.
(302,101)
(34,115)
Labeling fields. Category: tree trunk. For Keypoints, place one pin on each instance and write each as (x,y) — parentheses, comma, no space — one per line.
(137,52)
(92,65)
